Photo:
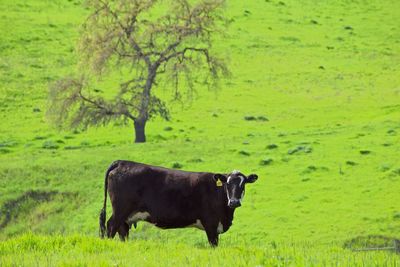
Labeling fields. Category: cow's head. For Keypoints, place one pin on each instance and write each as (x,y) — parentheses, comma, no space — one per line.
(233,185)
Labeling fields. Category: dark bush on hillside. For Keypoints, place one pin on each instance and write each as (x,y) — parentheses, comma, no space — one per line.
(272,146)
(4,150)
(250,118)
(71,147)
(85,143)
(254,118)
(365,152)
(305,149)
(350,163)
(9,144)
(49,144)
(262,118)
(196,160)
(396,172)
(266,161)
(244,153)
(177,165)
(369,241)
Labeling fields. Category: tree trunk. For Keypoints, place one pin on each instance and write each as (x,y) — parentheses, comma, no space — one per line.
(140,122)
(140,136)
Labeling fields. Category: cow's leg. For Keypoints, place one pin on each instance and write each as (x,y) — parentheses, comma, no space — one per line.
(212,238)
(109,226)
(113,225)
(212,234)
(123,231)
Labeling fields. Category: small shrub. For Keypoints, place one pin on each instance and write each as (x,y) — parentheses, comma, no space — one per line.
(262,118)
(49,144)
(285,159)
(368,241)
(177,165)
(391,132)
(351,163)
(385,167)
(272,146)
(244,153)
(9,144)
(85,143)
(266,161)
(365,152)
(310,169)
(4,150)
(250,118)
(71,147)
(305,149)
(396,172)
(196,160)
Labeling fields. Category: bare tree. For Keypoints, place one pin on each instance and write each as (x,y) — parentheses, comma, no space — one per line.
(139,43)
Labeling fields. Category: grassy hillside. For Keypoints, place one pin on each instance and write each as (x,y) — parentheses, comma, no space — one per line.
(325,75)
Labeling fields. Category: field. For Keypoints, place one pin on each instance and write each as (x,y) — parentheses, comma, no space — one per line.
(312,107)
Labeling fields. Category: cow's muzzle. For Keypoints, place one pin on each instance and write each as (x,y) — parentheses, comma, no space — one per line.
(234,203)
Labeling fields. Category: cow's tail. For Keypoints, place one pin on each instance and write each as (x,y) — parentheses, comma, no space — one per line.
(102,217)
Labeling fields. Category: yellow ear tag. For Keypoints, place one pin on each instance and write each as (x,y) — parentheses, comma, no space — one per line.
(219,183)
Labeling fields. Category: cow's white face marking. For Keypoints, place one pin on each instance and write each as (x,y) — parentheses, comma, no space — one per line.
(138,216)
(235,188)
(220,228)
(241,180)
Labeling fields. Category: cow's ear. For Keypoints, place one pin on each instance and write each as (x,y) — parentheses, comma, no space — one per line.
(251,178)
(220,177)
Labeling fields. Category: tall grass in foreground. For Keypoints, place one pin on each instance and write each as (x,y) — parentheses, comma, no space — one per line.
(75,250)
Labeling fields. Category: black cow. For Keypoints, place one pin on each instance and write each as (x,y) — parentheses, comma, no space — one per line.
(171,198)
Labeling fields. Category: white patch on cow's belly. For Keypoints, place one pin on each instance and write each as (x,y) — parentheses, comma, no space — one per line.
(220,228)
(138,216)
(197,225)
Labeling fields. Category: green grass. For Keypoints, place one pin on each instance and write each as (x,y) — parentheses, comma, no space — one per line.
(76,250)
(326,75)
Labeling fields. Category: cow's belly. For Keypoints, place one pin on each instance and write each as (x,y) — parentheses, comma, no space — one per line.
(138,216)
(164,223)
(170,223)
